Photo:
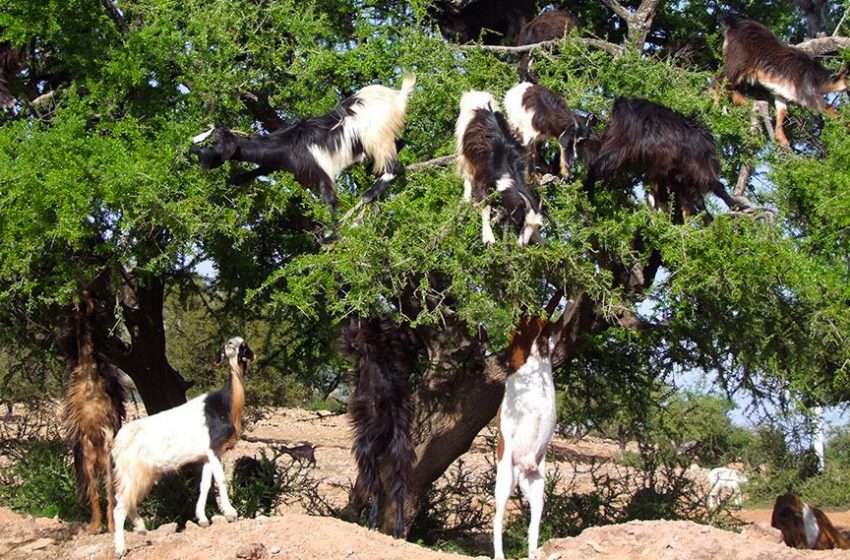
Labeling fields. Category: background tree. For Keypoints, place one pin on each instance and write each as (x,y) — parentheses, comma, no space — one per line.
(95,179)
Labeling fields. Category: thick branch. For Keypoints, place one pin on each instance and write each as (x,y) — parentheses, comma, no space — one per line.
(618,8)
(824,45)
(443,161)
(261,110)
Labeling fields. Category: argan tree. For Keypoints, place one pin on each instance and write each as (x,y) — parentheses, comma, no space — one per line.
(96,181)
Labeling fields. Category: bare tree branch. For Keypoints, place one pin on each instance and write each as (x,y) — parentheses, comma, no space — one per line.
(611,48)
(443,161)
(618,8)
(261,110)
(824,45)
(743,177)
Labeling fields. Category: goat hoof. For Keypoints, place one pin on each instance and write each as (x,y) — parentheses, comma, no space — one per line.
(203,522)
(230,518)
(93,528)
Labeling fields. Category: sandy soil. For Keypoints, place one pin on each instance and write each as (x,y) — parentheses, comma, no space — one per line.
(293,535)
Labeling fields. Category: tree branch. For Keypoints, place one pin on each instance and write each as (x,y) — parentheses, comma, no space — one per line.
(261,110)
(824,45)
(614,49)
(115,15)
(618,8)
(442,161)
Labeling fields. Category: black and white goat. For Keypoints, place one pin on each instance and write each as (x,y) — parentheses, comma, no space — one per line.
(752,55)
(548,26)
(526,423)
(677,156)
(490,159)
(537,113)
(316,150)
(381,410)
(198,431)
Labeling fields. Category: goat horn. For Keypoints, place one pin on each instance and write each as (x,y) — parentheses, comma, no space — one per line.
(203,136)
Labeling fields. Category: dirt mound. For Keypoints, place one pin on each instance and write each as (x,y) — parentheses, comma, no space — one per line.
(678,540)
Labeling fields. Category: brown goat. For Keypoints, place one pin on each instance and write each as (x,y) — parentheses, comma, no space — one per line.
(752,55)
(676,155)
(548,26)
(92,407)
(803,526)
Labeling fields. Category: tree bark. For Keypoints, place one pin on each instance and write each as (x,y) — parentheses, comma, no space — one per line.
(142,299)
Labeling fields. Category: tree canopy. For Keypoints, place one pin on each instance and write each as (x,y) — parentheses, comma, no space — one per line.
(97,186)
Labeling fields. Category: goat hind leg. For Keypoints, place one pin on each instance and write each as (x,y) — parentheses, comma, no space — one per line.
(532,487)
(505,484)
(781,114)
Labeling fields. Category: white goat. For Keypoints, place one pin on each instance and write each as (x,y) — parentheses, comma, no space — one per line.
(198,431)
(723,479)
(526,423)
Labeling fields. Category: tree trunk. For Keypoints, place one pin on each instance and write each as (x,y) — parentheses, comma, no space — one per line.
(459,396)
(142,300)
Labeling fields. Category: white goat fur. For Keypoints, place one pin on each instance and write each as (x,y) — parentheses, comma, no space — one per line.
(377,122)
(527,423)
(725,479)
(150,447)
(517,115)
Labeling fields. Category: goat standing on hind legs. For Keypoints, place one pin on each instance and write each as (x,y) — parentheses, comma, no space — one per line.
(526,423)
(381,410)
(753,55)
(92,407)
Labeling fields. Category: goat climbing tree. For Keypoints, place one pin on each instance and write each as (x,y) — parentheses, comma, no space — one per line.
(96,182)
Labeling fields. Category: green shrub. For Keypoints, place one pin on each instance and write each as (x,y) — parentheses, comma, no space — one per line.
(40,481)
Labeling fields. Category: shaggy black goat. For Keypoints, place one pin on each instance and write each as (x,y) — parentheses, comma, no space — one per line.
(491,21)
(381,410)
(538,113)
(548,26)
(318,149)
(753,55)
(490,159)
(677,156)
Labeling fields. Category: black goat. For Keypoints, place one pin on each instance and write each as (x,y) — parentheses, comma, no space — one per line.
(548,26)
(753,55)
(490,159)
(538,113)
(318,149)
(677,156)
(381,409)
(491,21)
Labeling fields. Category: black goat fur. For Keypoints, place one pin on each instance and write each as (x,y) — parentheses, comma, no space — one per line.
(492,153)
(381,409)
(675,154)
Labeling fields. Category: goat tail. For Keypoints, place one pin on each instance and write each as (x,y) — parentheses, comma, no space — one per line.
(408,82)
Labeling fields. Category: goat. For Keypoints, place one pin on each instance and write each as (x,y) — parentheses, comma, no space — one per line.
(197,431)
(752,55)
(491,21)
(526,423)
(490,159)
(381,409)
(548,26)
(677,155)
(92,405)
(538,113)
(804,526)
(302,452)
(722,479)
(318,149)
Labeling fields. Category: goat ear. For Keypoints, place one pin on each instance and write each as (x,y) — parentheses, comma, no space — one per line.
(590,122)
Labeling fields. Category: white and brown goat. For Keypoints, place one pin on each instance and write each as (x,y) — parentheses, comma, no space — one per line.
(491,160)
(526,423)
(537,113)
(804,526)
(752,55)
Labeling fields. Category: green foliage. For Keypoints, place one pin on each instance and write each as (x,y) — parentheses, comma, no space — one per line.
(40,481)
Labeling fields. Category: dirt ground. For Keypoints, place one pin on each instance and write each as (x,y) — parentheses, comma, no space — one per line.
(293,535)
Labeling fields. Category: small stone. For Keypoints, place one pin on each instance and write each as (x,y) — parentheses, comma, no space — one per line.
(275,550)
(219,520)
(192,526)
(38,544)
(554,556)
(44,521)
(253,551)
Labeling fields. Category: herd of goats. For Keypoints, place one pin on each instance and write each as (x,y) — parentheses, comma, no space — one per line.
(497,154)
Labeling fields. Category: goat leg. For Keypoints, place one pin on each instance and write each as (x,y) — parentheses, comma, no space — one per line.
(373,511)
